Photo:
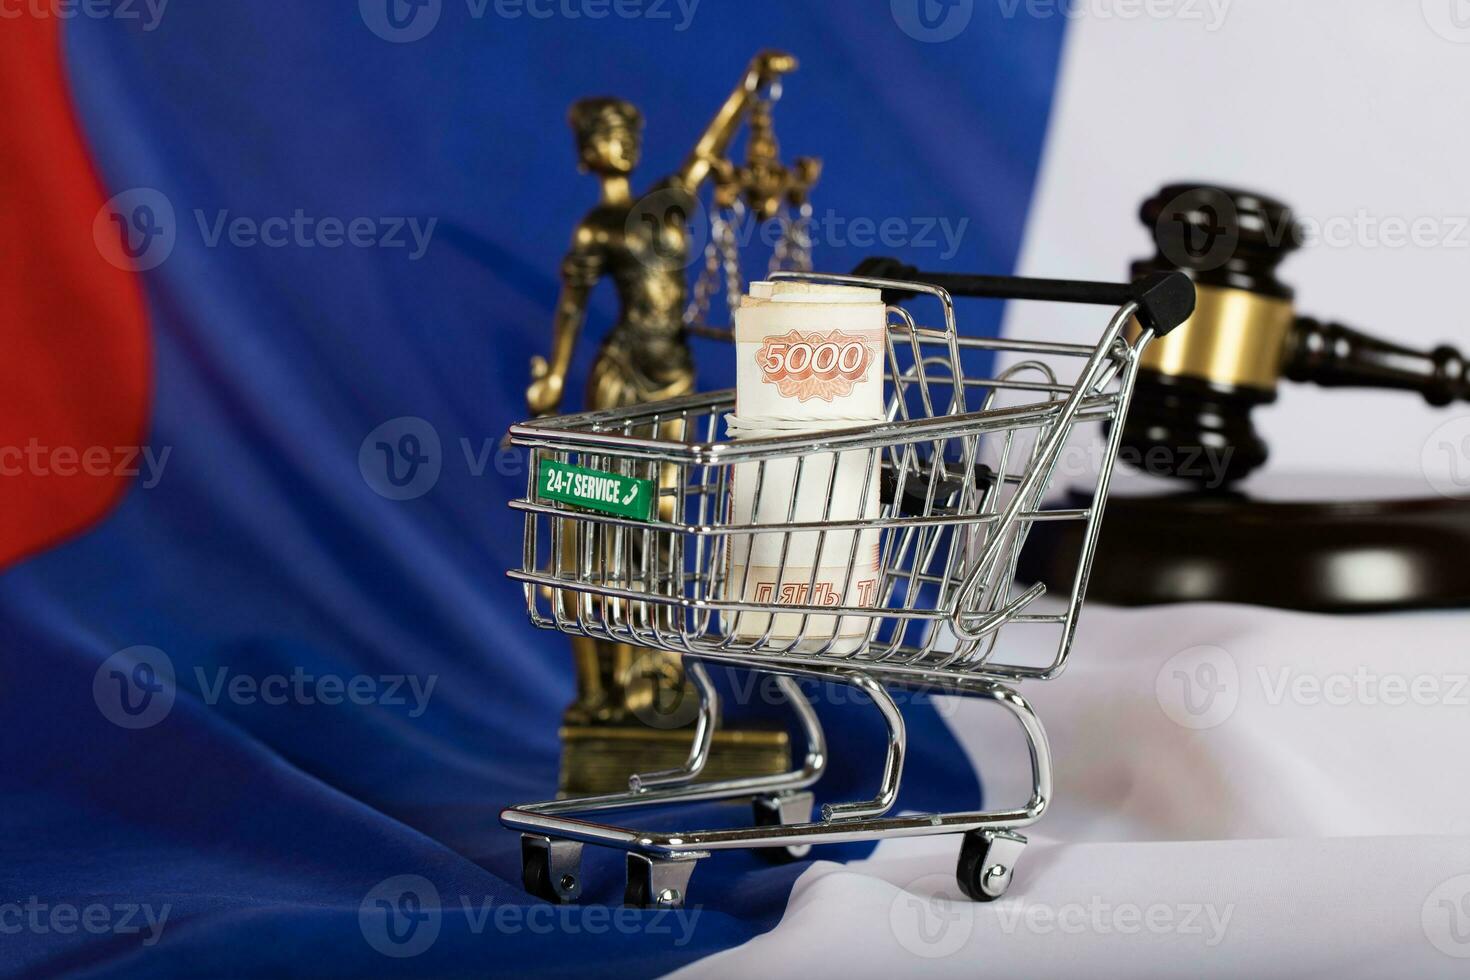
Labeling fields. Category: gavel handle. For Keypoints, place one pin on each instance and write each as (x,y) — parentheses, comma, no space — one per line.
(1335,356)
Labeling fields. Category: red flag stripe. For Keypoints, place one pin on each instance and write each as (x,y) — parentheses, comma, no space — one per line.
(75,358)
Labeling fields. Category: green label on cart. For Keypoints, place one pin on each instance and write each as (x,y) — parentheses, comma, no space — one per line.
(625,496)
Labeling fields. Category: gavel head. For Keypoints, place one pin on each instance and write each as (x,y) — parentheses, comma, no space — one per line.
(1197,387)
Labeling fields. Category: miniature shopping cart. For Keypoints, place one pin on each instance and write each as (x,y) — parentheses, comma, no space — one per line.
(963,466)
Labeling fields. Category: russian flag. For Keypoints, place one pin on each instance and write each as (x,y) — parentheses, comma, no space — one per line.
(261,676)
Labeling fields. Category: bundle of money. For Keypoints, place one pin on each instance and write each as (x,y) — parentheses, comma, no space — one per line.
(811,361)
(809,352)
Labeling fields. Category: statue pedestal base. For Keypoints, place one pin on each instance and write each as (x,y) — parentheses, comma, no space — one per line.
(1321,544)
(599,759)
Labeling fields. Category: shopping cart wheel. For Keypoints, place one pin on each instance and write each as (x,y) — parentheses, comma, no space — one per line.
(778,810)
(657,883)
(551,869)
(987,860)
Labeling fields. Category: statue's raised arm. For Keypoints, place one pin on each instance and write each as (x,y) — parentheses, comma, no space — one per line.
(765,70)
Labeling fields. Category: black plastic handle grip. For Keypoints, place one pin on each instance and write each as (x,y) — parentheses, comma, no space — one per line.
(1165,299)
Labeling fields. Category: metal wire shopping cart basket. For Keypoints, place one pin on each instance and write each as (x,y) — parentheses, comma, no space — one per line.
(960,473)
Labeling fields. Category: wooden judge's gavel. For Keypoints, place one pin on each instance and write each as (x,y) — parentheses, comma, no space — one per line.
(1198,386)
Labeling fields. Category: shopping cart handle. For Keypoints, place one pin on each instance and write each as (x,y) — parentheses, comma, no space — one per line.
(1165,299)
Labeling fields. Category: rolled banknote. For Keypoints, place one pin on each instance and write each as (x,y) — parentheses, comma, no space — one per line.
(809,567)
(810,351)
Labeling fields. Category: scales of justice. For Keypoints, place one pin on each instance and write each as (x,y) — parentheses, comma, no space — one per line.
(633,707)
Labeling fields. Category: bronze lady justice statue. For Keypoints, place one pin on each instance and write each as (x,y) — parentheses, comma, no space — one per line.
(644,246)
